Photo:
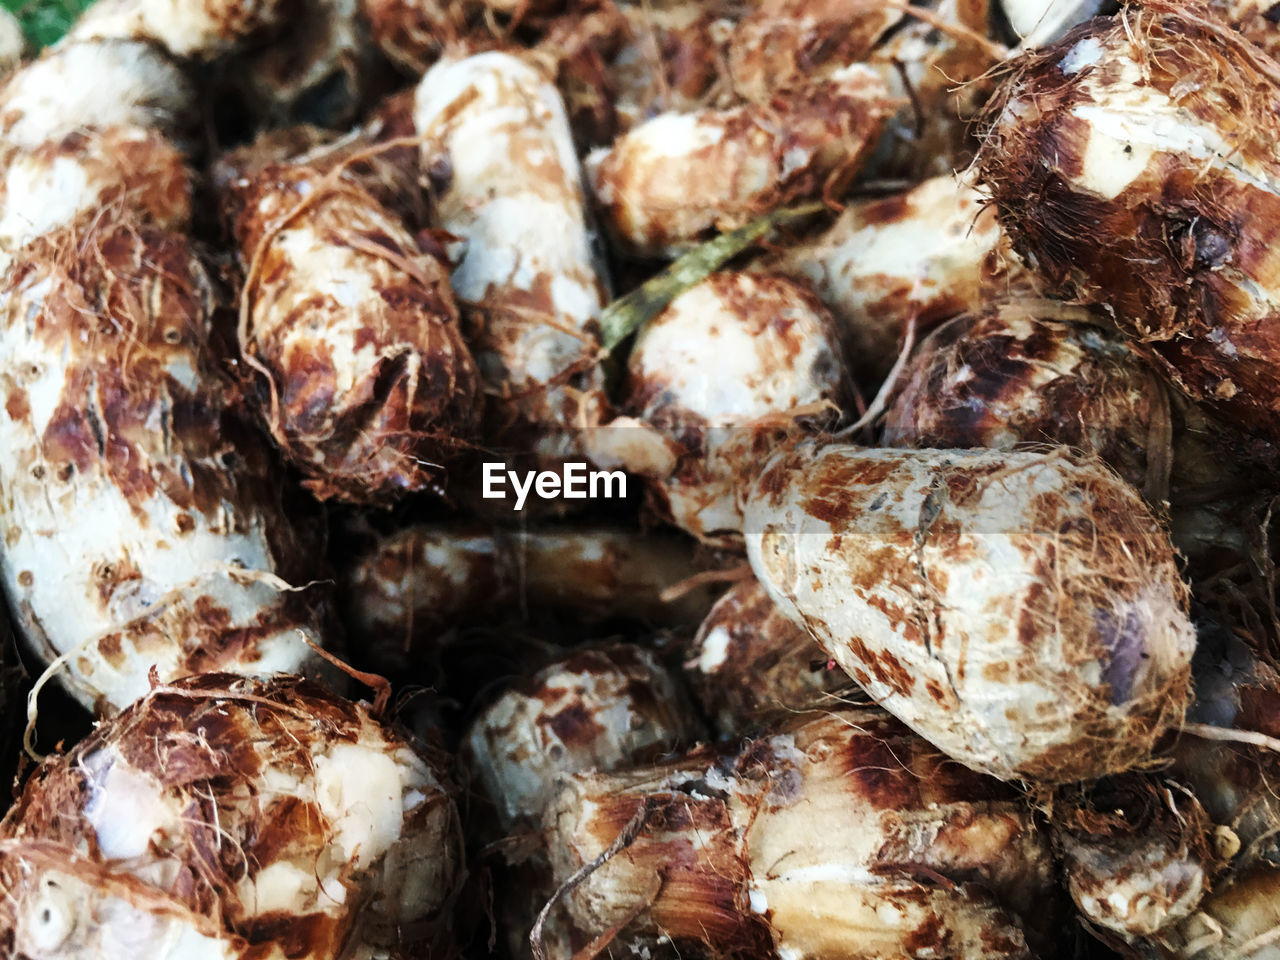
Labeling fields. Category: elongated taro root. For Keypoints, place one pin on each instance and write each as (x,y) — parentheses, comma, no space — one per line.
(1126,183)
(1139,854)
(923,255)
(598,709)
(749,664)
(739,853)
(727,365)
(786,43)
(228,819)
(1020,610)
(371,386)
(407,589)
(499,155)
(141,516)
(667,182)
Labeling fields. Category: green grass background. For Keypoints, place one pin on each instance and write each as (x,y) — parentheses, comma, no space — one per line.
(44,21)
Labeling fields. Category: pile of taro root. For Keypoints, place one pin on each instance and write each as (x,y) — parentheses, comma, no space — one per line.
(937,344)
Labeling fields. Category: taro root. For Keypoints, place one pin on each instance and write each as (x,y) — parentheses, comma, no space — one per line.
(1138,853)
(201,29)
(728,364)
(598,709)
(1036,371)
(749,664)
(670,60)
(1020,610)
(141,515)
(1039,371)
(940,77)
(845,836)
(669,181)
(370,388)
(1134,165)
(783,44)
(408,589)
(101,85)
(923,256)
(53,184)
(233,819)
(499,156)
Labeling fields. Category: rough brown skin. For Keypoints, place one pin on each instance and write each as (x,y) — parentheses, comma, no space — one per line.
(221,751)
(412,33)
(729,859)
(370,386)
(750,665)
(1033,371)
(1199,219)
(1038,371)
(662,197)
(785,43)
(125,168)
(1138,853)
(1256,19)
(405,591)
(144,416)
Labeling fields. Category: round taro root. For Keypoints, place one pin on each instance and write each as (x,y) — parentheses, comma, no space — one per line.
(371,385)
(141,515)
(711,381)
(668,181)
(1035,371)
(231,819)
(923,255)
(597,709)
(1022,611)
(1138,853)
(1134,164)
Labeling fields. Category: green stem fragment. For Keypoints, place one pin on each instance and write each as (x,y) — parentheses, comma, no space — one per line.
(628,314)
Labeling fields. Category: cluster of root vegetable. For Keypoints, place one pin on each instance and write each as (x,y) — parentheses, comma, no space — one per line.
(939,342)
